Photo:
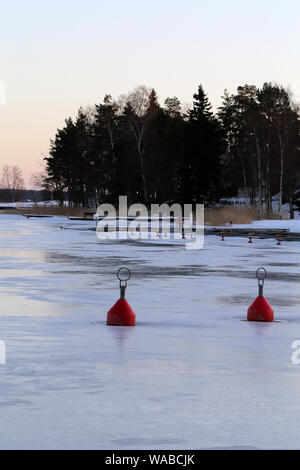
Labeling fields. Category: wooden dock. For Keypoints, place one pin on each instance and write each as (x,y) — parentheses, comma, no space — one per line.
(260,233)
(38,216)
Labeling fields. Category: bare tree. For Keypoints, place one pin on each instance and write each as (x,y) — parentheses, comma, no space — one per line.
(5,181)
(139,118)
(138,99)
(17,179)
(12,181)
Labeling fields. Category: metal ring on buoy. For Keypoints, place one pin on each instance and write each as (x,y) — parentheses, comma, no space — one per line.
(124,274)
(261,274)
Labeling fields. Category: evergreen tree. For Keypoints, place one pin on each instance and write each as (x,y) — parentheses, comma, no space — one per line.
(205,144)
(201,110)
(153,102)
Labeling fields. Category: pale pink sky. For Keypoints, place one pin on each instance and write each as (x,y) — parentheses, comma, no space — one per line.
(58,55)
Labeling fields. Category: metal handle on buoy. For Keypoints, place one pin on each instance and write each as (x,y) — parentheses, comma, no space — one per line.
(261,275)
(123,275)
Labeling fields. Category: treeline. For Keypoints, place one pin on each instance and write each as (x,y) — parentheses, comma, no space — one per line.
(156,154)
(262,134)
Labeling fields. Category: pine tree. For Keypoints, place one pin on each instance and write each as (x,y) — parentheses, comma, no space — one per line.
(201,107)
(153,101)
(205,144)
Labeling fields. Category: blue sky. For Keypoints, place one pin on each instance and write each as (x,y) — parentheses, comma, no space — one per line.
(58,55)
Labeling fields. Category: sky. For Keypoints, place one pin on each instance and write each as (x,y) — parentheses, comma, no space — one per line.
(58,55)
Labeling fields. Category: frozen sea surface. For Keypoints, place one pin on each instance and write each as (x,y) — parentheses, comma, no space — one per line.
(192,374)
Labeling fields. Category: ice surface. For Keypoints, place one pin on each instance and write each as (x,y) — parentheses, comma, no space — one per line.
(191,374)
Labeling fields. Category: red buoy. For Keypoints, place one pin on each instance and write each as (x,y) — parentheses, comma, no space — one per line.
(121,314)
(260,310)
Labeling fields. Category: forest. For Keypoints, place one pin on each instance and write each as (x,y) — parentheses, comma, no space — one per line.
(134,146)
